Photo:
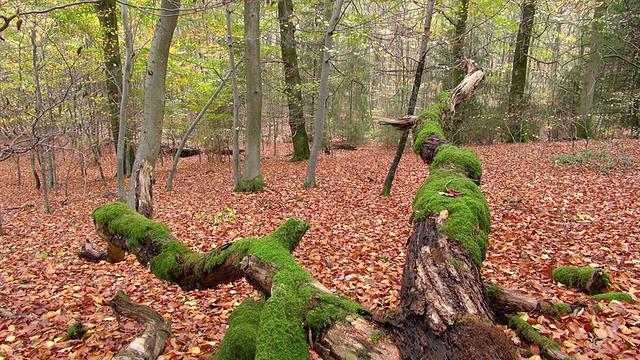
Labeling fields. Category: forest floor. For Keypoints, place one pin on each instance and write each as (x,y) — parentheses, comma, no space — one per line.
(544,214)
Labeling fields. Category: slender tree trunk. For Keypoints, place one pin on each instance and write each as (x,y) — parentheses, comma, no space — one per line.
(18,170)
(43,171)
(235,131)
(107,12)
(39,150)
(592,71)
(310,178)
(252,179)
(34,172)
(413,99)
(517,124)
(293,82)
(154,97)
(122,123)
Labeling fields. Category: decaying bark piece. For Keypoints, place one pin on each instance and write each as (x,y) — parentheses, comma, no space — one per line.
(90,254)
(151,343)
(507,303)
(144,189)
(468,85)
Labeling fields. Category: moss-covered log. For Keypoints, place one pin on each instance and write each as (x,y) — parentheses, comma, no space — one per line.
(507,303)
(445,313)
(548,348)
(588,280)
(295,310)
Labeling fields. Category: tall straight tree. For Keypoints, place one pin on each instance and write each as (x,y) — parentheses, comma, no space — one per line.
(292,80)
(235,132)
(310,178)
(107,12)
(126,78)
(592,70)
(413,99)
(517,124)
(140,186)
(251,178)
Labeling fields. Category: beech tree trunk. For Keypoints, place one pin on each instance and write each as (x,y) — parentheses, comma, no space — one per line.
(293,83)
(252,177)
(517,124)
(154,96)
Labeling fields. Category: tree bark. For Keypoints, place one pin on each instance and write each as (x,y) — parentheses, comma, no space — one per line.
(292,80)
(235,131)
(592,71)
(310,177)
(252,178)
(108,16)
(121,148)
(517,125)
(154,94)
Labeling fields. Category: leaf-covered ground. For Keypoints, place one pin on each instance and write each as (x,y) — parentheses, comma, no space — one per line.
(544,214)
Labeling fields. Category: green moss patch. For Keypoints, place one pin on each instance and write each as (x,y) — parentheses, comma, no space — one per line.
(620,296)
(165,265)
(469,218)
(529,334)
(254,185)
(123,220)
(76,331)
(563,308)
(329,308)
(586,279)
(494,290)
(240,339)
(453,157)
(423,131)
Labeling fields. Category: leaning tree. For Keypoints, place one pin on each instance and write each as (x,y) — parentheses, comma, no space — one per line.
(447,310)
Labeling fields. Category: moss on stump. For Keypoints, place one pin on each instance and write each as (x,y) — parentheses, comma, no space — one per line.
(254,185)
